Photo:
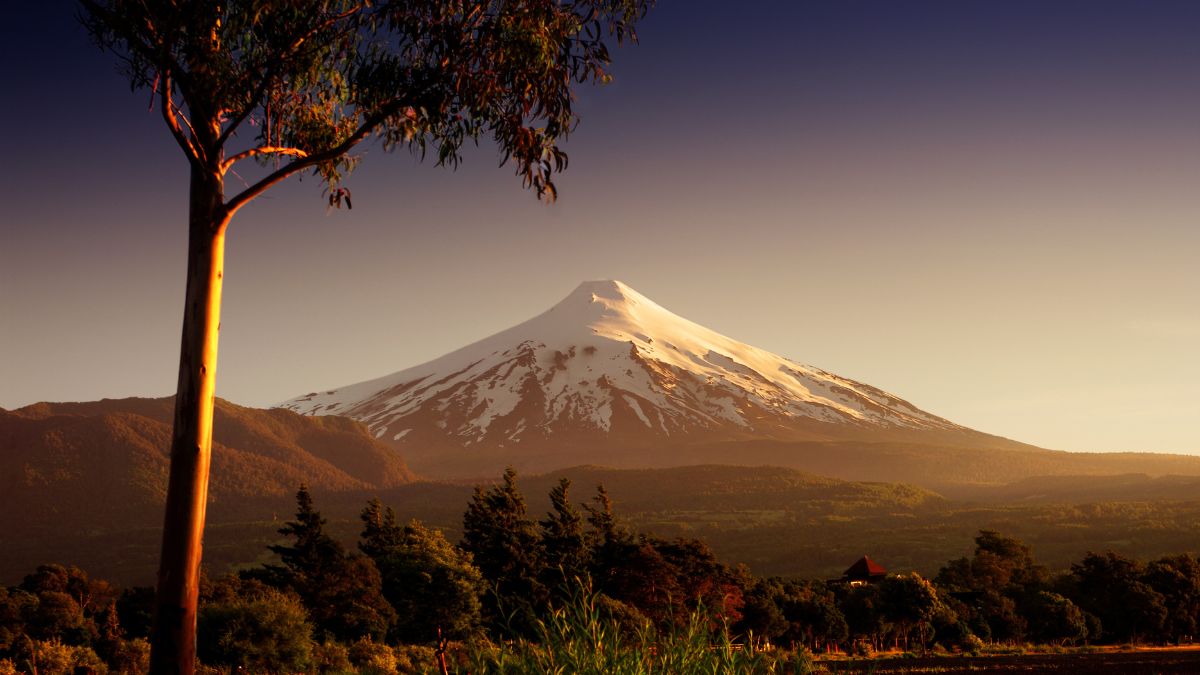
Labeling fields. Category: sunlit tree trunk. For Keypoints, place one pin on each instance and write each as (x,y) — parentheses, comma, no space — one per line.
(174,635)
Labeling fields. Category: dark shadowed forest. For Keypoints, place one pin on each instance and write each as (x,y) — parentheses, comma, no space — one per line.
(522,589)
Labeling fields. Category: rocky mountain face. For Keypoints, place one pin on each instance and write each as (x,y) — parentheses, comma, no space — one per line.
(609,377)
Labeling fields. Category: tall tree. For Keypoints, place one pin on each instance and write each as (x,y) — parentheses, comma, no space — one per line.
(431,583)
(608,542)
(563,540)
(907,601)
(343,593)
(381,533)
(1177,579)
(1111,587)
(507,549)
(296,85)
(313,549)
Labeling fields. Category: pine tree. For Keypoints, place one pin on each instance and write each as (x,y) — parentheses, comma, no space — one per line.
(563,542)
(381,533)
(343,593)
(507,549)
(609,545)
(432,584)
(313,553)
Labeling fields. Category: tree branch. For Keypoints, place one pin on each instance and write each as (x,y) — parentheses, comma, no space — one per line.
(268,73)
(194,154)
(262,150)
(302,163)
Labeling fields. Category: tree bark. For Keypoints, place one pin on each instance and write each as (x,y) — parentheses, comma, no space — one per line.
(173,638)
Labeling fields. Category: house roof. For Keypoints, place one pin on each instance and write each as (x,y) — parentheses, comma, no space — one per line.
(865,568)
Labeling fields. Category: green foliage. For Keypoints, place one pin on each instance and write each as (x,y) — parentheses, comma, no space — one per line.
(313,549)
(1111,587)
(1055,619)
(583,637)
(659,604)
(66,604)
(1000,563)
(762,611)
(909,601)
(507,549)
(332,658)
(563,544)
(415,658)
(667,580)
(130,656)
(372,658)
(343,593)
(381,533)
(811,614)
(1177,580)
(862,607)
(255,627)
(431,583)
(52,657)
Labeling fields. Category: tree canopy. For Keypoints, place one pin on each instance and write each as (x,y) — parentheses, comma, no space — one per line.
(297,84)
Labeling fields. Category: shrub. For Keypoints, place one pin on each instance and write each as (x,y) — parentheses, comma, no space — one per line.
(415,659)
(332,658)
(372,658)
(131,656)
(267,632)
(52,657)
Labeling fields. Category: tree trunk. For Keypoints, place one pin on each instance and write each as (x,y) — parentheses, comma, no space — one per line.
(173,639)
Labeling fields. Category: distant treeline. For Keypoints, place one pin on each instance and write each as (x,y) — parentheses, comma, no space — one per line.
(323,608)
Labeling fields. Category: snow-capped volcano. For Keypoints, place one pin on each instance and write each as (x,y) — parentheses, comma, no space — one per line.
(607,367)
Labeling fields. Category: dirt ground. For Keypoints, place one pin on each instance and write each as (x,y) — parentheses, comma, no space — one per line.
(1139,662)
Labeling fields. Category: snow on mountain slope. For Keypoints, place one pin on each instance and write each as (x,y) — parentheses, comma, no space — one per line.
(608,363)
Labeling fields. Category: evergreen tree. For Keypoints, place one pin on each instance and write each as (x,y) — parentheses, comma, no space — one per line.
(507,549)
(431,583)
(608,543)
(343,593)
(381,533)
(563,540)
(605,529)
(312,554)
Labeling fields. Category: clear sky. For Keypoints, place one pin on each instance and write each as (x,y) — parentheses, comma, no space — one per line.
(989,208)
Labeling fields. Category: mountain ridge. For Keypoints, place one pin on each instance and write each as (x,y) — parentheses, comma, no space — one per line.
(113,454)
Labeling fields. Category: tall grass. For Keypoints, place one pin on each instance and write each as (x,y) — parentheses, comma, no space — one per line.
(583,637)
